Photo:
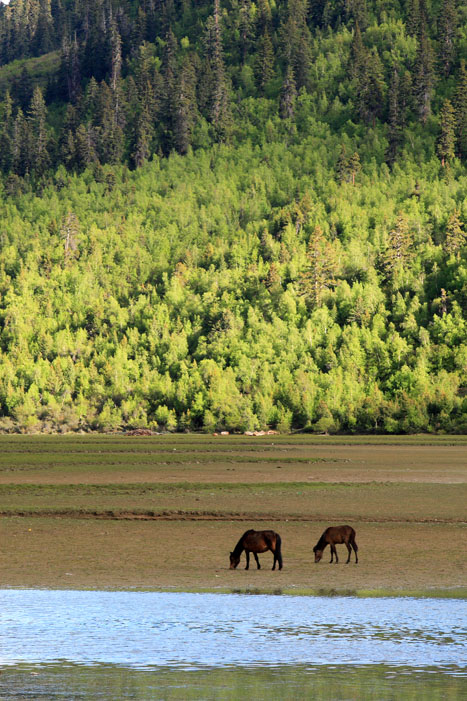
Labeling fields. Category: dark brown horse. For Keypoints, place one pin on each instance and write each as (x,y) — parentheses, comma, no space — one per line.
(335,535)
(257,542)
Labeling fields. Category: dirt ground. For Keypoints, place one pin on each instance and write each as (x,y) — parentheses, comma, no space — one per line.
(122,515)
(191,556)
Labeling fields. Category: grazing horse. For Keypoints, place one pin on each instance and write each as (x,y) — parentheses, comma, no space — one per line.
(257,542)
(336,535)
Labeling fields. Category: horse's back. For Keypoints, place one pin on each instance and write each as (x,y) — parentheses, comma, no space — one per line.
(339,534)
(260,539)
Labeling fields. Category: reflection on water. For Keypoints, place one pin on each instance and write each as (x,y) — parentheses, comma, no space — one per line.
(129,644)
(108,683)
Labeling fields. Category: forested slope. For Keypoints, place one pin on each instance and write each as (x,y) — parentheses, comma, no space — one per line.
(233,215)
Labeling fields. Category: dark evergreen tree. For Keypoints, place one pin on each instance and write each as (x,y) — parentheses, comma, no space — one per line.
(186,108)
(370,88)
(288,95)
(219,101)
(447,138)
(424,76)
(44,39)
(264,61)
(447,26)
(19,146)
(460,112)
(245,28)
(38,150)
(396,121)
(296,41)
(85,144)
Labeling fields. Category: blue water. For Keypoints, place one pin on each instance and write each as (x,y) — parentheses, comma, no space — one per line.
(151,630)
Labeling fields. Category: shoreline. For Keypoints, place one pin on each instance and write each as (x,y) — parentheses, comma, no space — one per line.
(458,593)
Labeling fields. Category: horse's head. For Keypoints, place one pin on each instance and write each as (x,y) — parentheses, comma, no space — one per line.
(318,554)
(234,560)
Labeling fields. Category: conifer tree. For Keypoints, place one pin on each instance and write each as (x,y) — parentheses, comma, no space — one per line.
(371,88)
(85,143)
(38,138)
(446,141)
(398,247)
(245,28)
(186,108)
(219,102)
(19,146)
(44,32)
(321,270)
(288,95)
(447,25)
(460,112)
(423,76)
(396,121)
(296,41)
(6,133)
(456,237)
(264,61)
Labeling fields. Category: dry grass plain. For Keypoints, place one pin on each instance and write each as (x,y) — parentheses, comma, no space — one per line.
(163,512)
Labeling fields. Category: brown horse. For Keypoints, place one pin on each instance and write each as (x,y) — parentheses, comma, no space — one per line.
(335,535)
(257,542)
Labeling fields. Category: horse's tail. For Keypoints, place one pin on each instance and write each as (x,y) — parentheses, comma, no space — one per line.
(278,552)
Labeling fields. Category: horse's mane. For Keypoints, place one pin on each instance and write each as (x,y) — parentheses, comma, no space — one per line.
(321,544)
(239,547)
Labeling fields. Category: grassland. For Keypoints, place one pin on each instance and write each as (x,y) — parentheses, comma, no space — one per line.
(162,512)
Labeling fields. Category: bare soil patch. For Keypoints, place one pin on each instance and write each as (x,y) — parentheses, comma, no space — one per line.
(163,512)
(181,555)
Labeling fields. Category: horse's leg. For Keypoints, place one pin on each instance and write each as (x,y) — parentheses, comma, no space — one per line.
(350,552)
(335,553)
(257,561)
(355,548)
(332,553)
(247,553)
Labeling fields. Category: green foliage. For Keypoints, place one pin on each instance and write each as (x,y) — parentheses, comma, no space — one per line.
(288,252)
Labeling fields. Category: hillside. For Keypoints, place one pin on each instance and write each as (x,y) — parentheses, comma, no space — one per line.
(233,215)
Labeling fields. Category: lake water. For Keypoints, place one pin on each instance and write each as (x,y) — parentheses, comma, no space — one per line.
(151,645)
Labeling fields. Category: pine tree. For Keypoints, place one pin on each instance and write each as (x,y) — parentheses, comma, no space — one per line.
(354,166)
(321,271)
(19,146)
(447,24)
(296,41)
(460,112)
(424,76)
(6,135)
(245,28)
(85,142)
(413,18)
(288,95)
(456,237)
(219,103)
(447,138)
(371,88)
(44,32)
(70,69)
(264,61)
(186,111)
(398,248)
(38,142)
(144,133)
(396,121)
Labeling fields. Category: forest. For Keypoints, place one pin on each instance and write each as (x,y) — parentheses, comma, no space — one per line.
(233,215)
